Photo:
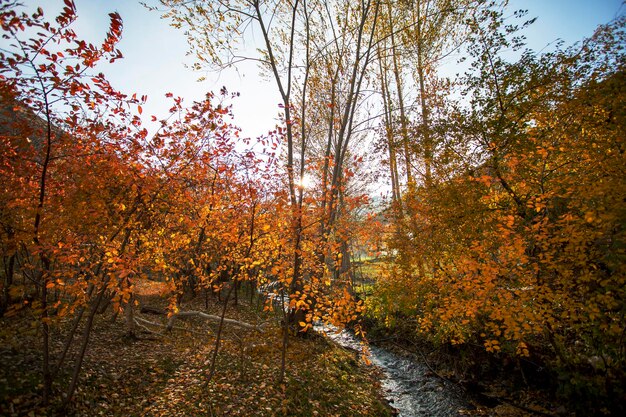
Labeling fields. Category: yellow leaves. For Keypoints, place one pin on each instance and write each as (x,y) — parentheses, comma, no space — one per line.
(510,221)
(296,303)
(173,309)
(541,151)
(305,325)
(492,346)
(522,349)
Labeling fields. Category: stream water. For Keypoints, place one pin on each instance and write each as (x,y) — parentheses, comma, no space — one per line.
(408,385)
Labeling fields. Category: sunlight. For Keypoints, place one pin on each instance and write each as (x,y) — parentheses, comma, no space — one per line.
(306,182)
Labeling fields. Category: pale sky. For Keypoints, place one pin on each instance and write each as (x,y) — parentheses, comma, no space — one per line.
(154,62)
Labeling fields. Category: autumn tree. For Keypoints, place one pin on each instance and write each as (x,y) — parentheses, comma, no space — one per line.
(92,204)
(524,223)
(317,53)
(415,40)
(48,79)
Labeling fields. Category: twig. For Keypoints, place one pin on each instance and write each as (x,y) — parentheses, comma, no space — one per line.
(165,327)
(137,322)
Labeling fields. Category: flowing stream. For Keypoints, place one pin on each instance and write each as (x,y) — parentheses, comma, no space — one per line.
(408,385)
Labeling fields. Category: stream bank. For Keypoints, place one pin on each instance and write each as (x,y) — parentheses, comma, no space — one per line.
(409,386)
(417,383)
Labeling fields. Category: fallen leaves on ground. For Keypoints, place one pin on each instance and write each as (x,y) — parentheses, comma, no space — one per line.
(166,374)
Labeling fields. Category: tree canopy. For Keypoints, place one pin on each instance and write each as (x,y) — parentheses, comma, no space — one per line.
(505,223)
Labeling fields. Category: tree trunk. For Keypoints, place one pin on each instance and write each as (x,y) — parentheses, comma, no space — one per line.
(426,138)
(72,333)
(83,347)
(403,118)
(389,136)
(129,316)
(218,336)
(285,344)
(9,271)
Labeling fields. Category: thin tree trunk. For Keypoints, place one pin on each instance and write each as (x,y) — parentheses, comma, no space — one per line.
(72,333)
(129,316)
(403,118)
(47,375)
(427,142)
(285,345)
(327,157)
(388,120)
(90,318)
(45,262)
(8,282)
(219,336)
(85,342)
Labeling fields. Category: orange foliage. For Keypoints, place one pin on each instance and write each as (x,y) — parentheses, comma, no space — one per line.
(522,249)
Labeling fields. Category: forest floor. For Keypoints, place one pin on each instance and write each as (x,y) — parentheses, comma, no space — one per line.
(166,374)
(162,373)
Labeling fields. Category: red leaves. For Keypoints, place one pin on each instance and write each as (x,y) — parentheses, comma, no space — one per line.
(68,14)
(113,37)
